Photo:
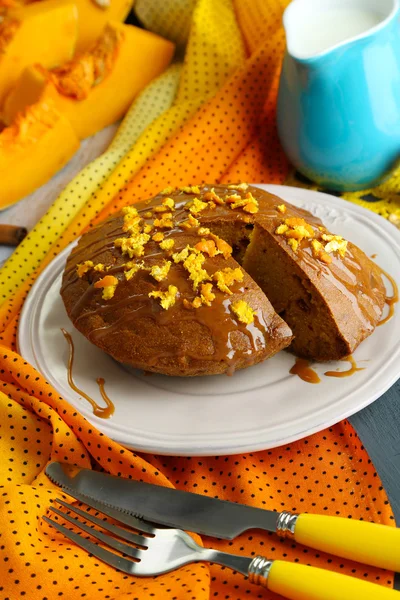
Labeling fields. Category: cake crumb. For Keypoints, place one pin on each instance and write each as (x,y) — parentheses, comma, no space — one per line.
(158,237)
(160,208)
(243,311)
(99,267)
(282,208)
(148,215)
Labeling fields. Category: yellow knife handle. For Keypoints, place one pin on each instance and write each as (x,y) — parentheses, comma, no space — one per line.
(300,582)
(368,543)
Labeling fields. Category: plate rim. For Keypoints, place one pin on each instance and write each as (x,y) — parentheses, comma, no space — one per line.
(182,448)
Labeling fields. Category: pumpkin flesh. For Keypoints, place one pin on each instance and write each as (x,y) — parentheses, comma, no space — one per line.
(34,33)
(39,143)
(96,89)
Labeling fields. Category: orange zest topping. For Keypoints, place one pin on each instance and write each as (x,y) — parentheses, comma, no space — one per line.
(169,203)
(160,272)
(167,244)
(207,246)
(335,244)
(167,299)
(83,268)
(211,196)
(222,246)
(318,251)
(207,295)
(106,281)
(243,311)
(295,229)
(167,191)
(165,222)
(191,189)
(238,186)
(108,284)
(227,277)
(190,223)
(196,206)
(134,245)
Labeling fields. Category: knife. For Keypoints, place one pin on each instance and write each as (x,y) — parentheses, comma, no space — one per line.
(369,543)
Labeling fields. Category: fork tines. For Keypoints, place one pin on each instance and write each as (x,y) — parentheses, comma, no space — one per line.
(134,552)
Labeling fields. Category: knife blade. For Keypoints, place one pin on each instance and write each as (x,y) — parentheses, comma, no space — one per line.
(166,505)
(370,543)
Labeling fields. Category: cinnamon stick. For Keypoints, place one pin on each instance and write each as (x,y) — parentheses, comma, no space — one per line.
(11,235)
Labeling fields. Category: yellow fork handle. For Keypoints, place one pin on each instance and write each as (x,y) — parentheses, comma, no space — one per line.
(299,582)
(368,543)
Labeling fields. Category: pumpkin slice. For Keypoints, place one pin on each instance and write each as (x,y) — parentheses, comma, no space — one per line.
(93,17)
(40,32)
(33,149)
(96,88)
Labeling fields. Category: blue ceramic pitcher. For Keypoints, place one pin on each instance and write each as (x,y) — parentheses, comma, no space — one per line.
(339,96)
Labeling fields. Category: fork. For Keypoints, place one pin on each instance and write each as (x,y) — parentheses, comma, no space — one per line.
(156,550)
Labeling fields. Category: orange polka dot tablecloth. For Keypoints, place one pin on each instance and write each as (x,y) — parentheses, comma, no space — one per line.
(210,117)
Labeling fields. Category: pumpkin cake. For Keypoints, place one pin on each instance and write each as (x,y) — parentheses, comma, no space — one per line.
(210,279)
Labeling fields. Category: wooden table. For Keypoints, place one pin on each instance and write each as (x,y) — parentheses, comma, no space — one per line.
(378,425)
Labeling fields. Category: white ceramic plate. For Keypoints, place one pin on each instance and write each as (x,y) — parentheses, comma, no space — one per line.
(258,408)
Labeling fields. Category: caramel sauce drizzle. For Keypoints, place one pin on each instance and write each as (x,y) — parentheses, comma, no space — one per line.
(353,368)
(302,368)
(104,412)
(390,300)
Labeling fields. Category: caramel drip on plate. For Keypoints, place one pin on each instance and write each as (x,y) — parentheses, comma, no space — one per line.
(104,412)
(302,368)
(390,300)
(353,368)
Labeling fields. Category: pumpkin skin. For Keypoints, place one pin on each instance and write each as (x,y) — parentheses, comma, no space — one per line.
(40,32)
(92,18)
(140,56)
(37,145)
